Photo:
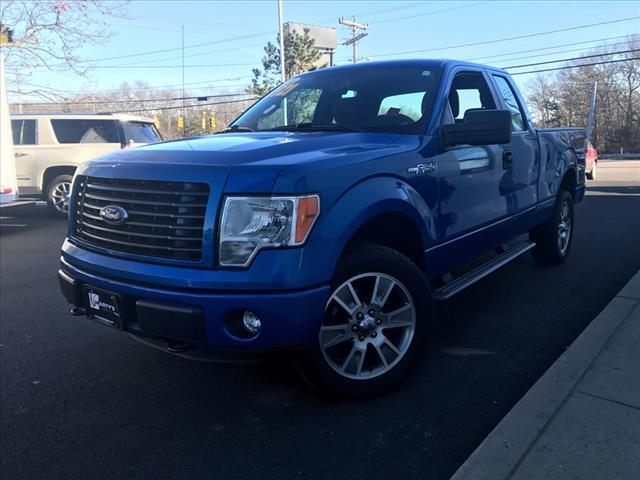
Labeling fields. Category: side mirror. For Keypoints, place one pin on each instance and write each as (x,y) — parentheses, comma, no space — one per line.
(478,127)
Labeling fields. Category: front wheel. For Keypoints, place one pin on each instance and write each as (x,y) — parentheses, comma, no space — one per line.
(553,238)
(375,324)
(58,192)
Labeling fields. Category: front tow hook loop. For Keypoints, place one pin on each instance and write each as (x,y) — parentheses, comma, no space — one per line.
(178,347)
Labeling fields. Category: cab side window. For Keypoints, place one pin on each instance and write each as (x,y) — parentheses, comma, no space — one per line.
(469,91)
(510,100)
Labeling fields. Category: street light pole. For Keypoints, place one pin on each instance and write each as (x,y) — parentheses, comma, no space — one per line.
(184,110)
(283,76)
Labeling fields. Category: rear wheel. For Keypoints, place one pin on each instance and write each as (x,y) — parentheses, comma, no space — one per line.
(553,238)
(375,324)
(58,192)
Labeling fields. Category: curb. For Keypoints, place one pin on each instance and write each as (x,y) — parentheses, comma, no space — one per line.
(502,451)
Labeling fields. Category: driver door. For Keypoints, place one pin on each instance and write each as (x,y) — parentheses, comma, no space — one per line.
(469,195)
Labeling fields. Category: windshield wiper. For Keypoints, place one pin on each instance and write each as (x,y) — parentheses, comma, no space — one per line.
(236,128)
(313,127)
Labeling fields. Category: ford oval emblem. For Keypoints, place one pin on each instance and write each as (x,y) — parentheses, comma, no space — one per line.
(114,215)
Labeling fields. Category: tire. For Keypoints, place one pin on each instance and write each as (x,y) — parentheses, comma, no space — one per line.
(368,347)
(58,192)
(593,173)
(553,238)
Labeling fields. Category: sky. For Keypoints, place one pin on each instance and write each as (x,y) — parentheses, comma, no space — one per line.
(236,31)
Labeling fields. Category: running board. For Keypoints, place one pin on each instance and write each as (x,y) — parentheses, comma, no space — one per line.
(456,286)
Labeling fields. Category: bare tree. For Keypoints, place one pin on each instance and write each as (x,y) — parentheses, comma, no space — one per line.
(564,99)
(48,33)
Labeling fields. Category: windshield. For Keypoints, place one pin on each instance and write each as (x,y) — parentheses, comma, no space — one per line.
(394,99)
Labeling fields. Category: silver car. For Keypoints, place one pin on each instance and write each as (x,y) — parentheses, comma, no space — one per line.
(49,147)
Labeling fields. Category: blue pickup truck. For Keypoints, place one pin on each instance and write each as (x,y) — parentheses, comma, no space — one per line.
(325,220)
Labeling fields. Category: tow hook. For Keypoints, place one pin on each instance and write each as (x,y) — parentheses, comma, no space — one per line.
(77,311)
(178,347)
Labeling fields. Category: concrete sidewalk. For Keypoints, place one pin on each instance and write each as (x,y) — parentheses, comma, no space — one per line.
(581,420)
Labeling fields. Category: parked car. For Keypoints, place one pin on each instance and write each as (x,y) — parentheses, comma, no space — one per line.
(49,147)
(326,219)
(591,162)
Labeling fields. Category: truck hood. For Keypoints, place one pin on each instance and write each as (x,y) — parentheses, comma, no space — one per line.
(249,161)
(272,148)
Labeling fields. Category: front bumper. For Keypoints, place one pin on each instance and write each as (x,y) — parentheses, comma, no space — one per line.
(199,317)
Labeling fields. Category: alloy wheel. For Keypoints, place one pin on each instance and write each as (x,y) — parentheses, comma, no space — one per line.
(60,196)
(370,320)
(564,227)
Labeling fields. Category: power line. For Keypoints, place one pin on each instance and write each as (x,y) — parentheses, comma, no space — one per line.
(572,59)
(164,50)
(507,39)
(151,87)
(139,100)
(372,13)
(557,52)
(577,66)
(158,87)
(153,52)
(430,13)
(173,66)
(551,48)
(146,62)
(188,106)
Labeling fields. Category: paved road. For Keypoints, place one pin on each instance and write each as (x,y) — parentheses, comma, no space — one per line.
(82,401)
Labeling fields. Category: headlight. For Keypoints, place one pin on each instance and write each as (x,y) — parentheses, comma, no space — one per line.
(251,223)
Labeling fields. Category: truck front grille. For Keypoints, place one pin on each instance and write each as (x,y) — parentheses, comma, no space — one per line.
(165,219)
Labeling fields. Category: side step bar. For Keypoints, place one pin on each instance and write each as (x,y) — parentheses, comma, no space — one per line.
(456,286)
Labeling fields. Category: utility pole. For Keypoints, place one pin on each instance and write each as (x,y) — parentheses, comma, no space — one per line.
(355,36)
(592,112)
(184,110)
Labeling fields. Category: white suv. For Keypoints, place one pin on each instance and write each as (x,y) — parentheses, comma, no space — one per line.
(49,147)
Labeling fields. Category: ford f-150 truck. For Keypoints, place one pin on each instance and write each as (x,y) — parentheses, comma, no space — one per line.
(326,219)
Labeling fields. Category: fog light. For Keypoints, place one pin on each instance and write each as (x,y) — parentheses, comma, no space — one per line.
(251,322)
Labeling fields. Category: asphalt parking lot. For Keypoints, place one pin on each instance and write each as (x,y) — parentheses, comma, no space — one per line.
(79,400)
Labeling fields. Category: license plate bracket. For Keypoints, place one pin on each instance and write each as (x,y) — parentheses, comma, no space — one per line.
(102,306)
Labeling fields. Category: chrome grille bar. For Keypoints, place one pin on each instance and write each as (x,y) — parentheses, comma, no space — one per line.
(165,219)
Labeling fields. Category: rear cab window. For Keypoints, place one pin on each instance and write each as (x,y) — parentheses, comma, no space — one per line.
(24,132)
(86,131)
(407,104)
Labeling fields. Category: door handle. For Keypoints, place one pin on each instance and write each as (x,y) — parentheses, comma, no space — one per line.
(18,155)
(507,159)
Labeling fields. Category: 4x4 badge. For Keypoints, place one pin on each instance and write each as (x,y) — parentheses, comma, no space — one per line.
(422,168)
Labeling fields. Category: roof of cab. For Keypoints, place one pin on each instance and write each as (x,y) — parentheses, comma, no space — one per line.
(86,116)
(418,62)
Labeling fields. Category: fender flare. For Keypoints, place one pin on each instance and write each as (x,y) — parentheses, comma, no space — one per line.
(43,174)
(366,200)
(568,164)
